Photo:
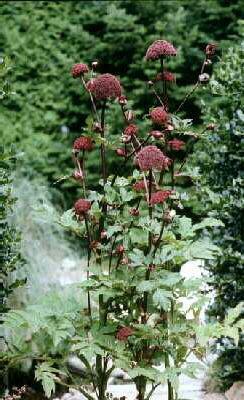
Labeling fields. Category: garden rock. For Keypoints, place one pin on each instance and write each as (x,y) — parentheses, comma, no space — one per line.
(214,396)
(118,376)
(72,395)
(236,392)
(76,366)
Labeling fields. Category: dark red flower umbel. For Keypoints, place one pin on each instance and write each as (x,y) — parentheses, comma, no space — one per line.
(83,143)
(160,196)
(79,70)
(150,157)
(82,206)
(131,130)
(160,48)
(124,333)
(176,144)
(159,116)
(105,86)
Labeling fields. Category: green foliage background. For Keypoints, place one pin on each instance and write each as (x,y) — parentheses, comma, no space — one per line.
(10,257)
(45,38)
(223,197)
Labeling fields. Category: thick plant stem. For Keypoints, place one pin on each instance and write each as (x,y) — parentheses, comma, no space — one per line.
(88,263)
(192,90)
(173,175)
(141,387)
(102,149)
(145,301)
(103,166)
(101,361)
(170,388)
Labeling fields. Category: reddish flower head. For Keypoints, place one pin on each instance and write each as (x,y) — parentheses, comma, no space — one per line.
(160,196)
(159,115)
(120,249)
(134,212)
(139,186)
(124,333)
(166,76)
(121,152)
(157,134)
(83,143)
(79,70)
(122,100)
(78,175)
(160,48)
(82,206)
(210,49)
(150,157)
(131,130)
(105,86)
(176,144)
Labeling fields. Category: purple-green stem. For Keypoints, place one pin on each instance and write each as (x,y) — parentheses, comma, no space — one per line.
(101,362)
(88,263)
(192,90)
(170,389)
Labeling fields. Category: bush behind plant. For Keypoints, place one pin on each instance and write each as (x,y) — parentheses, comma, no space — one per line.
(222,183)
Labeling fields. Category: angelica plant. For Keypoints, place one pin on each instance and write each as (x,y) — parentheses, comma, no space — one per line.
(137,238)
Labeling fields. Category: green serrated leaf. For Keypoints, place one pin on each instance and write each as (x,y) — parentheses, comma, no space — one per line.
(162,299)
(208,223)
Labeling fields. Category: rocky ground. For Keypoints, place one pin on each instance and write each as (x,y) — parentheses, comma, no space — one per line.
(191,390)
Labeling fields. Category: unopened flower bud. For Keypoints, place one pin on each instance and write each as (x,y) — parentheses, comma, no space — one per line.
(210,49)
(208,62)
(134,212)
(155,239)
(94,64)
(204,78)
(120,249)
(157,134)
(95,244)
(168,216)
(129,115)
(122,100)
(120,152)
(169,128)
(103,234)
(125,260)
(126,138)
(78,175)
(211,127)
(97,127)
(152,267)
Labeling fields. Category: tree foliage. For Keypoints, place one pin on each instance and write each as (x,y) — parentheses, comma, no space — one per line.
(43,119)
(222,190)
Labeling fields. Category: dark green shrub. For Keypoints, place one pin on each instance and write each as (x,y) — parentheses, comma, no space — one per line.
(10,257)
(222,185)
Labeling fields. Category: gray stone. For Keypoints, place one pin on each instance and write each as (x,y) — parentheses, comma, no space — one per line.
(236,392)
(214,396)
(72,395)
(76,366)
